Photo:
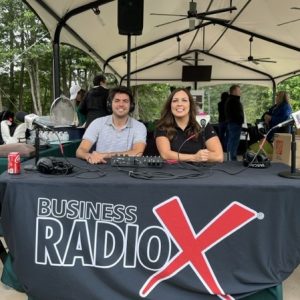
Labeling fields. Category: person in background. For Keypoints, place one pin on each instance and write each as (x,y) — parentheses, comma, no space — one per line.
(116,134)
(278,113)
(10,132)
(235,118)
(179,135)
(76,96)
(93,105)
(222,120)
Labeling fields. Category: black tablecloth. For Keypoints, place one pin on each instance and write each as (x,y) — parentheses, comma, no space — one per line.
(105,235)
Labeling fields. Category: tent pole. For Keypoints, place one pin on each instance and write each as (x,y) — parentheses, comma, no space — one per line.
(196,64)
(128,59)
(274,93)
(56,70)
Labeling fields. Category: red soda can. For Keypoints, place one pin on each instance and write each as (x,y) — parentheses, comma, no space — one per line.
(14,163)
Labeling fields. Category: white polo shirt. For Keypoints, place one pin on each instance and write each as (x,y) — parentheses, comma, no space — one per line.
(110,139)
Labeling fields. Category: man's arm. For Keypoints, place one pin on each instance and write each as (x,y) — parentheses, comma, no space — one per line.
(100,157)
(136,150)
(83,150)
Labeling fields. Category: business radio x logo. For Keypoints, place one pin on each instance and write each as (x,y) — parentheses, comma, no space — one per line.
(193,247)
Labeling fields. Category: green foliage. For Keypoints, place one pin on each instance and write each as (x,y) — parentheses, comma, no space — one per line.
(24,40)
(76,67)
(150,100)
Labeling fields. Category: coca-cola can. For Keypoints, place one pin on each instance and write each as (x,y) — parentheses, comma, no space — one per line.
(13,163)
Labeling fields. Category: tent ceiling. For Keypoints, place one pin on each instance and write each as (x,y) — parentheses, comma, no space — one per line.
(221,45)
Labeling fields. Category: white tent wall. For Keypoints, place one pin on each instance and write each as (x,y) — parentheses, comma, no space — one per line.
(223,46)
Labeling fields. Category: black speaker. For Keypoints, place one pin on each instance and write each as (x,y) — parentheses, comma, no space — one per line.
(196,73)
(130,17)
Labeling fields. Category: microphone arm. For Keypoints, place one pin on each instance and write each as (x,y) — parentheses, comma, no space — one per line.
(37,151)
(37,144)
(294,119)
(287,122)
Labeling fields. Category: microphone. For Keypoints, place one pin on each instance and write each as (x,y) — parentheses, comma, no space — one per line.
(30,120)
(294,118)
(186,140)
(189,138)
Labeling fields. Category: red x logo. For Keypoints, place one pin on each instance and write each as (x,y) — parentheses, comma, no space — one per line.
(193,247)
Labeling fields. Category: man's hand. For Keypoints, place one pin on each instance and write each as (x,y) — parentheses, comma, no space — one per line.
(97,158)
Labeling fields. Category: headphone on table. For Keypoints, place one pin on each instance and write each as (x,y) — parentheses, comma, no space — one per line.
(50,165)
(261,160)
(110,98)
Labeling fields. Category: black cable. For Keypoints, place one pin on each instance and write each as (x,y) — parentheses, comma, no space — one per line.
(160,175)
(78,174)
(163,175)
(196,166)
(86,169)
(200,167)
(186,140)
(260,148)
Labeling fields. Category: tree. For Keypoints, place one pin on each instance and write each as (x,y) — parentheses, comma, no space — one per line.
(151,98)
(26,61)
(20,31)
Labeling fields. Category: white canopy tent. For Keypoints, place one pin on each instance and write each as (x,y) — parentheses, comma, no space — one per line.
(154,54)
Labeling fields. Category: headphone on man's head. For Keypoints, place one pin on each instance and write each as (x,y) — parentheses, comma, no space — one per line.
(261,160)
(50,165)
(110,98)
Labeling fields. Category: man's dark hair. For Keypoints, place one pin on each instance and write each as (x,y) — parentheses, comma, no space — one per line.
(122,90)
(99,78)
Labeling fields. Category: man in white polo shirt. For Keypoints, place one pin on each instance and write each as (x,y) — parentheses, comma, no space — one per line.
(115,134)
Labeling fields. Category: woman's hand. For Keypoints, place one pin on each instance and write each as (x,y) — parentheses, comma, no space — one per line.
(202,155)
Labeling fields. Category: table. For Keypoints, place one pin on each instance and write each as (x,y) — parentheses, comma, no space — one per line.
(88,236)
(53,150)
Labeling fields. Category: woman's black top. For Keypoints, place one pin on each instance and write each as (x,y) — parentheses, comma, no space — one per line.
(193,145)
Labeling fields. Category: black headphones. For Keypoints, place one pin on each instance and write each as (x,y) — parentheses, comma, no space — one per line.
(119,90)
(261,160)
(50,165)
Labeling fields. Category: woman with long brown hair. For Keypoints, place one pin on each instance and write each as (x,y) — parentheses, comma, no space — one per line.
(180,137)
